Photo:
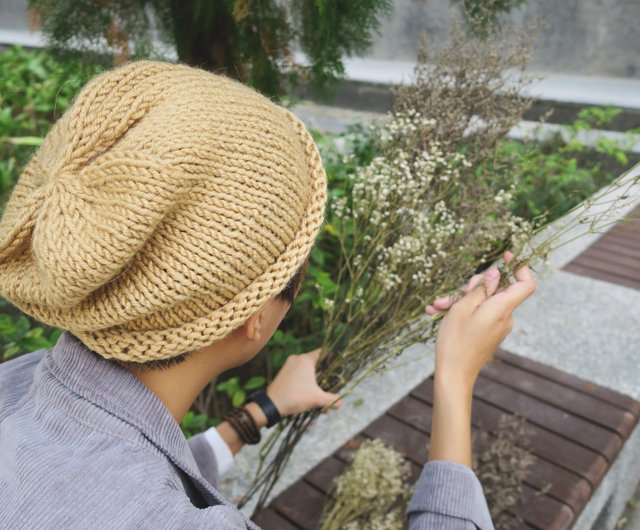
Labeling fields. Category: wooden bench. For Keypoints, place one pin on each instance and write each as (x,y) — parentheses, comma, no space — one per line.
(575,430)
(615,256)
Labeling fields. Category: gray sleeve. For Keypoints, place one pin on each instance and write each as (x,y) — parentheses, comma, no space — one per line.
(205,458)
(448,496)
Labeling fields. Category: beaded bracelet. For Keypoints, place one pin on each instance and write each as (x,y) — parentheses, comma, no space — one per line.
(243,423)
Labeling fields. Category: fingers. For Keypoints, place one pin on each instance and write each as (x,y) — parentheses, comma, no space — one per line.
(329,401)
(483,290)
(516,293)
(445,302)
(473,282)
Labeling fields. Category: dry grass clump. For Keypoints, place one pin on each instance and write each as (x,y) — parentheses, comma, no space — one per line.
(371,494)
(502,467)
(473,90)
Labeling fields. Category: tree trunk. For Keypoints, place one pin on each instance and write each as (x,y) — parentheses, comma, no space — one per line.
(206,43)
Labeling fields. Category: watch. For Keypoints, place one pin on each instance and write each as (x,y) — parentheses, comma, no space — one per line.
(260,398)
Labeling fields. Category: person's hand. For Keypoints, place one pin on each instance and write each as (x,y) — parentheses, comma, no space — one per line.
(295,388)
(442,304)
(477,323)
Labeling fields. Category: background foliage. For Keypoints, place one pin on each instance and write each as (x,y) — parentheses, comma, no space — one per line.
(251,40)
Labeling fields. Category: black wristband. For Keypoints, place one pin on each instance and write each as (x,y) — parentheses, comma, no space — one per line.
(261,398)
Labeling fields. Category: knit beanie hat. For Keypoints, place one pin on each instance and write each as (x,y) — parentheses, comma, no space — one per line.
(164,208)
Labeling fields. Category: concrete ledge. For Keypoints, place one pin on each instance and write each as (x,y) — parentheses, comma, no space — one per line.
(608,503)
(369,83)
(336,120)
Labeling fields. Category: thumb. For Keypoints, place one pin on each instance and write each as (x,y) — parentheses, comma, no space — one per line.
(330,400)
(314,355)
(483,290)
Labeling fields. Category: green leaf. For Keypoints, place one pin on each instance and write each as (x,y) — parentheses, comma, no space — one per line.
(331,229)
(257,381)
(55,335)
(194,421)
(11,350)
(238,398)
(22,325)
(35,343)
(230,386)
(35,332)
(34,141)
(7,327)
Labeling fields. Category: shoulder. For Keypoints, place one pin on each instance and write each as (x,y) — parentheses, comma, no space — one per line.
(16,377)
(117,484)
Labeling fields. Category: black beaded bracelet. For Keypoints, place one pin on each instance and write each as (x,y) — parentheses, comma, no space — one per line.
(243,423)
(261,398)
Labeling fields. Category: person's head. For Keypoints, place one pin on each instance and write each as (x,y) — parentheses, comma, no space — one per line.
(168,209)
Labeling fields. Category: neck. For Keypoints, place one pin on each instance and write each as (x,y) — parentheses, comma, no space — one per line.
(179,386)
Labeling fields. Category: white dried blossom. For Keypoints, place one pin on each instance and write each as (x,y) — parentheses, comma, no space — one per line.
(503,196)
(372,492)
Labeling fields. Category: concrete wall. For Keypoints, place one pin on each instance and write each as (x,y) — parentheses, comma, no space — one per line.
(592,37)
(13,15)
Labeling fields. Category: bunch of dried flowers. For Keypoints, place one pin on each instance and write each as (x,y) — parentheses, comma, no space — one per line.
(372,493)
(421,219)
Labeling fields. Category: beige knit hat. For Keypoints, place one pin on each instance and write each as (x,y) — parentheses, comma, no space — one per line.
(164,208)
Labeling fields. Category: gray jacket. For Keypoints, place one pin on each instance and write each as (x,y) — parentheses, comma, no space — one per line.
(84,444)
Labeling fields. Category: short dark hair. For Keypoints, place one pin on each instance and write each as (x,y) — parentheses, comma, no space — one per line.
(288,294)
(291,290)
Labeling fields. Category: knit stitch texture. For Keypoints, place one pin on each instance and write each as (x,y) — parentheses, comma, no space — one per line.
(165,207)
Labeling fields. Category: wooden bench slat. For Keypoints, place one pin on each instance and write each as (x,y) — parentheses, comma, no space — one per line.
(607,245)
(613,257)
(623,260)
(586,387)
(602,276)
(538,513)
(587,407)
(565,485)
(270,519)
(301,504)
(621,239)
(538,412)
(544,443)
(543,511)
(322,475)
(414,412)
(611,266)
(629,231)
(400,436)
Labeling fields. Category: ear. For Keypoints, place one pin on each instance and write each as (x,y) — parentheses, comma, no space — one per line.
(253,326)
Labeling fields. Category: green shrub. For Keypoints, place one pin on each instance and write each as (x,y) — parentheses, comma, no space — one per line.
(35,89)
(19,334)
(560,172)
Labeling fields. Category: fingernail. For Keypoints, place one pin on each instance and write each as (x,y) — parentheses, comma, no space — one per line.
(491,274)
